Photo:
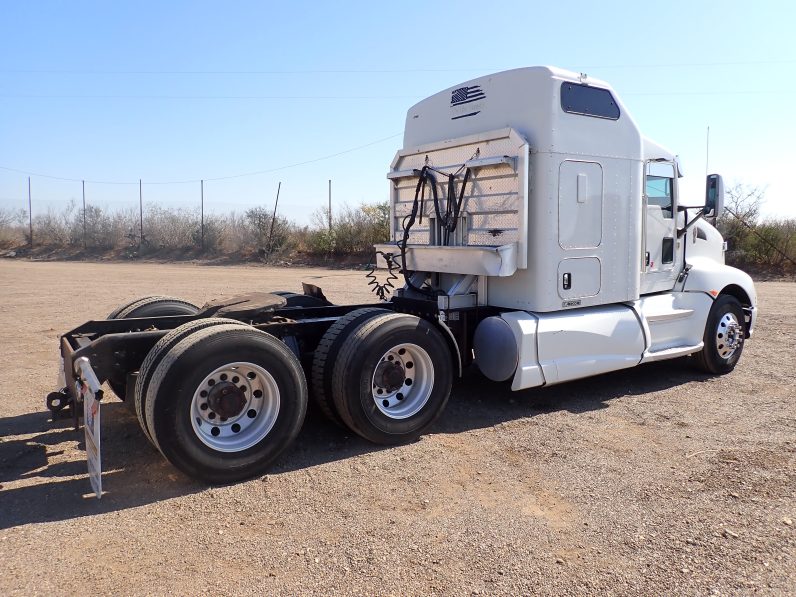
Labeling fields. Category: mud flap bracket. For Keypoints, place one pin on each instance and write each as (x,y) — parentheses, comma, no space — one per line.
(88,387)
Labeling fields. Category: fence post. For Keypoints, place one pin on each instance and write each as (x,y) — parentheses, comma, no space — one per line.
(85,243)
(330,205)
(30,215)
(273,219)
(202,211)
(141,216)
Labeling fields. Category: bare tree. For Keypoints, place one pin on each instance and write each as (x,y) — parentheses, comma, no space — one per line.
(9,231)
(745,202)
(742,211)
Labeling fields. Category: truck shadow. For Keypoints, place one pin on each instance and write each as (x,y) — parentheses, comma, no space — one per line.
(479,403)
(32,447)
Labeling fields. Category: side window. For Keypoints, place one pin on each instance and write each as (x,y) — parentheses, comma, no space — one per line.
(659,192)
(658,187)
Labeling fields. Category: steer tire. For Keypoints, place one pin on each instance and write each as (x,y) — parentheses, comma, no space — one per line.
(157,353)
(226,358)
(392,378)
(725,324)
(147,306)
(325,355)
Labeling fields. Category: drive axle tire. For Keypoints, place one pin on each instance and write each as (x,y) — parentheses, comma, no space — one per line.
(392,378)
(147,306)
(724,336)
(325,355)
(113,314)
(154,306)
(225,402)
(157,353)
(294,299)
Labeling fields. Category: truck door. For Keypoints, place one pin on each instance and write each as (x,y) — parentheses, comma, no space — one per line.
(660,259)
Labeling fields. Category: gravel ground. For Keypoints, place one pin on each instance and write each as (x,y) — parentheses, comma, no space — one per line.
(657,480)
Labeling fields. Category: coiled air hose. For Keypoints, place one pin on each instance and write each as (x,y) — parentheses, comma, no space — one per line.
(446,222)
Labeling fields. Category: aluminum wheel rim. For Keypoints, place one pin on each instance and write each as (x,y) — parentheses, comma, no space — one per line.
(729,336)
(413,392)
(254,421)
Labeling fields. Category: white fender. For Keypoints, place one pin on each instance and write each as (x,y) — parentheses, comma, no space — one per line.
(706,275)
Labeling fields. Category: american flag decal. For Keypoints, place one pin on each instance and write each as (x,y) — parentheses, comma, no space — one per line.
(465,95)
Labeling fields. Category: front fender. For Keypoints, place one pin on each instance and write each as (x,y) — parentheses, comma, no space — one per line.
(706,275)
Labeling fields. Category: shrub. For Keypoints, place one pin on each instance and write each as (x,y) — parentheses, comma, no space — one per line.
(53,228)
(354,231)
(105,230)
(11,232)
(265,238)
(213,234)
(772,247)
(171,228)
(762,245)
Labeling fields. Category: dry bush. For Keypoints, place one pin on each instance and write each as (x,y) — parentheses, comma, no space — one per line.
(11,230)
(769,245)
(214,231)
(255,232)
(266,234)
(106,229)
(354,230)
(171,228)
(234,233)
(54,228)
(774,245)
(742,210)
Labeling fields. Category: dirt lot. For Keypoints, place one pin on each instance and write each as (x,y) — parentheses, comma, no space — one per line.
(656,480)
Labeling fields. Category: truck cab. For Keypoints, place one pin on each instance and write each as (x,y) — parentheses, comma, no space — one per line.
(568,222)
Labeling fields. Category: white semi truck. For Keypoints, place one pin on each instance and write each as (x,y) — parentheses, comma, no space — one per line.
(536,232)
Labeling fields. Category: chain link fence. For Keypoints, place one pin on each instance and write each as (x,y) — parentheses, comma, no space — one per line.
(139,228)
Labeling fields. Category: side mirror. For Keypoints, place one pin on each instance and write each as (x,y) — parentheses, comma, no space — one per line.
(714,197)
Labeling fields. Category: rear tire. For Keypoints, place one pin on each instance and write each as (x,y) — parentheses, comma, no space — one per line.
(154,306)
(392,378)
(295,299)
(157,353)
(113,314)
(724,336)
(225,402)
(326,354)
(147,306)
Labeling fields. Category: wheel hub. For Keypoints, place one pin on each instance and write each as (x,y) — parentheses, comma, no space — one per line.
(402,381)
(729,336)
(235,406)
(732,335)
(226,399)
(389,376)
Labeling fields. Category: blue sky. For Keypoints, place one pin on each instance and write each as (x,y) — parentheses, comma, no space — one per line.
(178,91)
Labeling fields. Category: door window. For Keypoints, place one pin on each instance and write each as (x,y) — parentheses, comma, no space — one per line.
(659,223)
(659,192)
